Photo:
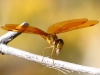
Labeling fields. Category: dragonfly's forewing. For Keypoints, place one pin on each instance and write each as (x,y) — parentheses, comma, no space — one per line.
(86,24)
(29,29)
(61,26)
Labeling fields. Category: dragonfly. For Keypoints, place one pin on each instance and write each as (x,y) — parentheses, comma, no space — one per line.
(51,35)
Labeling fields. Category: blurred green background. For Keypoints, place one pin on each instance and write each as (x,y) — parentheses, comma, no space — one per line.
(81,46)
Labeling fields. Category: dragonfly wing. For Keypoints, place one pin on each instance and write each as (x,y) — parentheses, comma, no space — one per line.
(9,27)
(14,27)
(28,29)
(34,30)
(58,27)
(6,28)
(86,24)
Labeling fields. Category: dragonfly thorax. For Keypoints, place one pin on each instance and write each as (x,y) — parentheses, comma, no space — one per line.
(53,40)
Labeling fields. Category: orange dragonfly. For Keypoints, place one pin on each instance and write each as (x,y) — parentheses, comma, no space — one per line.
(50,36)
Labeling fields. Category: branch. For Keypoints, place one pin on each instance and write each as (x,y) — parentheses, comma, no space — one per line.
(58,65)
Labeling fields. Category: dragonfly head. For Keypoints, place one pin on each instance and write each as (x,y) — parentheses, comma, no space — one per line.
(59,43)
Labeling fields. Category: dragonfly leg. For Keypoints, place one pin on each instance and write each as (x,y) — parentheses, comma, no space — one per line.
(45,50)
(52,54)
(58,56)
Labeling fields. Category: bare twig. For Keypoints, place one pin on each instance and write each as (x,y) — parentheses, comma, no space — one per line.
(58,65)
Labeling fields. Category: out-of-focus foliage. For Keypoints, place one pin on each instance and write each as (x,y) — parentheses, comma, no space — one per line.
(80,46)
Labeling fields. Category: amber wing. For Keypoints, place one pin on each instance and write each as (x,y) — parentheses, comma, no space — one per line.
(29,29)
(69,25)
